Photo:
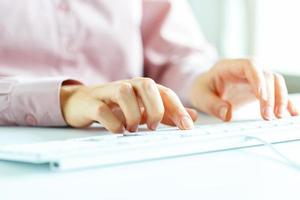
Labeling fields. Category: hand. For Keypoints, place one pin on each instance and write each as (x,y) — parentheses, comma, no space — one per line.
(232,83)
(124,105)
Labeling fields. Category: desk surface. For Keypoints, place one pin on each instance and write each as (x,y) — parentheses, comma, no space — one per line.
(253,173)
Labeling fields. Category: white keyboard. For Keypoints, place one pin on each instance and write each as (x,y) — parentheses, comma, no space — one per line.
(108,150)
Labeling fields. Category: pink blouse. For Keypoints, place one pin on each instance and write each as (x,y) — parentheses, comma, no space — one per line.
(43,43)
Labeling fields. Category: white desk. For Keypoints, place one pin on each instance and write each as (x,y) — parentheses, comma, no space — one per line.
(253,173)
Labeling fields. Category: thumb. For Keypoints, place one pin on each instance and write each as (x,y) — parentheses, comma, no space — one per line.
(212,104)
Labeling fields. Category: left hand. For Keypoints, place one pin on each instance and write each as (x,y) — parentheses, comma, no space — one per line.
(123,105)
(232,83)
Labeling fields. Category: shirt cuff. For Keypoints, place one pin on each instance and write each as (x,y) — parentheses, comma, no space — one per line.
(36,102)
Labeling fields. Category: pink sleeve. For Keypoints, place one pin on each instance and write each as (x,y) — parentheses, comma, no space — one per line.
(174,48)
(31,102)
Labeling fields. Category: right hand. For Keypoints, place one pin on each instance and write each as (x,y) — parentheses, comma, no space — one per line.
(124,105)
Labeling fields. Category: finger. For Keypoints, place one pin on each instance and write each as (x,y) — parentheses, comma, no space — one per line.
(281,95)
(118,113)
(122,93)
(167,120)
(245,68)
(292,109)
(174,109)
(148,92)
(144,116)
(263,87)
(212,104)
(127,100)
(100,112)
(192,112)
(267,106)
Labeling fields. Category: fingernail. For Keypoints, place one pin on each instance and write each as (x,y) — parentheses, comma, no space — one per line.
(187,122)
(280,111)
(295,111)
(154,126)
(223,112)
(121,130)
(268,112)
(133,129)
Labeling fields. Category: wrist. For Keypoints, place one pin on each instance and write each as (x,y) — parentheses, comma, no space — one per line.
(198,82)
(67,89)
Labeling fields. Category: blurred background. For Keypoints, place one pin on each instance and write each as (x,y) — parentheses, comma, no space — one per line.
(267,30)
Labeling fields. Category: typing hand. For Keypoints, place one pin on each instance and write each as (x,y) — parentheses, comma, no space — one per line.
(124,105)
(232,83)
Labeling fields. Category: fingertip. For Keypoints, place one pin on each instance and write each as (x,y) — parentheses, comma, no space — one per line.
(268,112)
(133,128)
(186,123)
(295,112)
(193,113)
(229,115)
(119,130)
(292,109)
(225,113)
(153,126)
(279,111)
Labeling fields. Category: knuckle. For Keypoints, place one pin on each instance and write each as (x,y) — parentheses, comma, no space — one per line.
(270,103)
(102,108)
(137,78)
(123,88)
(146,82)
(279,77)
(268,74)
(246,62)
(168,91)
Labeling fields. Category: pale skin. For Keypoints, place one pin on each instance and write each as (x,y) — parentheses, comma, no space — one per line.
(125,104)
